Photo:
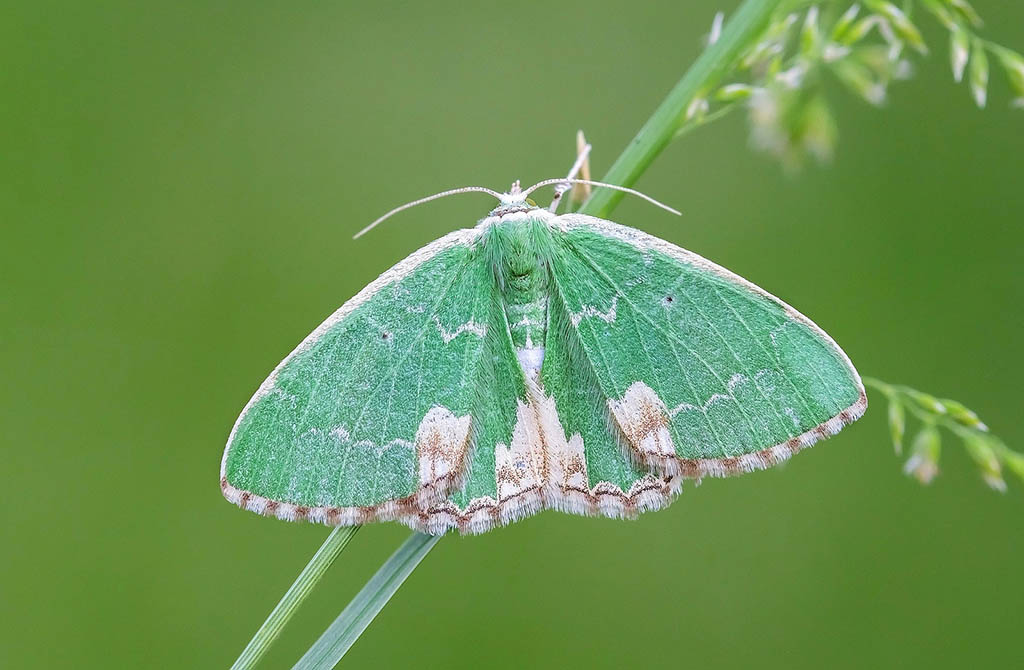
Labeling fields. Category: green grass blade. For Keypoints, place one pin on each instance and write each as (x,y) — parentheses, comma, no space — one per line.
(296,594)
(353,620)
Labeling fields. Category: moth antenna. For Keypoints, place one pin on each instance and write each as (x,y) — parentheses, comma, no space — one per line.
(564,185)
(408,205)
(588,182)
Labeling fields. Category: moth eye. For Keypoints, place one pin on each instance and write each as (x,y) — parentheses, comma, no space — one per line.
(530,202)
(385,335)
(667,302)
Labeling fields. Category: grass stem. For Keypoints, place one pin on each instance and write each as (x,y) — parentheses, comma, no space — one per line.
(353,620)
(296,594)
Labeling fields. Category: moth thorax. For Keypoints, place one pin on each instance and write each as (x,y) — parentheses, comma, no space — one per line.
(521,264)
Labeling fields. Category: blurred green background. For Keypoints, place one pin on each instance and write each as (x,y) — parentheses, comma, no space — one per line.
(178,187)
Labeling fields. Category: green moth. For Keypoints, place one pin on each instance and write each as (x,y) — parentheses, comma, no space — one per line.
(535,361)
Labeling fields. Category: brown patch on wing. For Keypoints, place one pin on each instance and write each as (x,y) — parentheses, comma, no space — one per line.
(644,420)
(442,450)
(521,465)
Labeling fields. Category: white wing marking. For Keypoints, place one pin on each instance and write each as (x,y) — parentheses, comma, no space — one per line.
(590,310)
(734,382)
(478,329)
(342,434)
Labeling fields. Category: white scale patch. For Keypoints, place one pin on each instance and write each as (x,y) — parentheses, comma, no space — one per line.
(530,360)
(643,418)
(540,463)
(526,322)
(343,435)
(478,329)
(442,445)
(734,382)
(520,466)
(567,463)
(591,311)
(773,335)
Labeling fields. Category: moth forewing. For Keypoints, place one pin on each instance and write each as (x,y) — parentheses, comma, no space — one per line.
(346,429)
(696,359)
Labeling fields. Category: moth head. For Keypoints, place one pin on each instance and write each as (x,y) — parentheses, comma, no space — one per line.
(516,199)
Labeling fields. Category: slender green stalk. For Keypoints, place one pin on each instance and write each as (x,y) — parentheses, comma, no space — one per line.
(286,608)
(353,620)
(750,19)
